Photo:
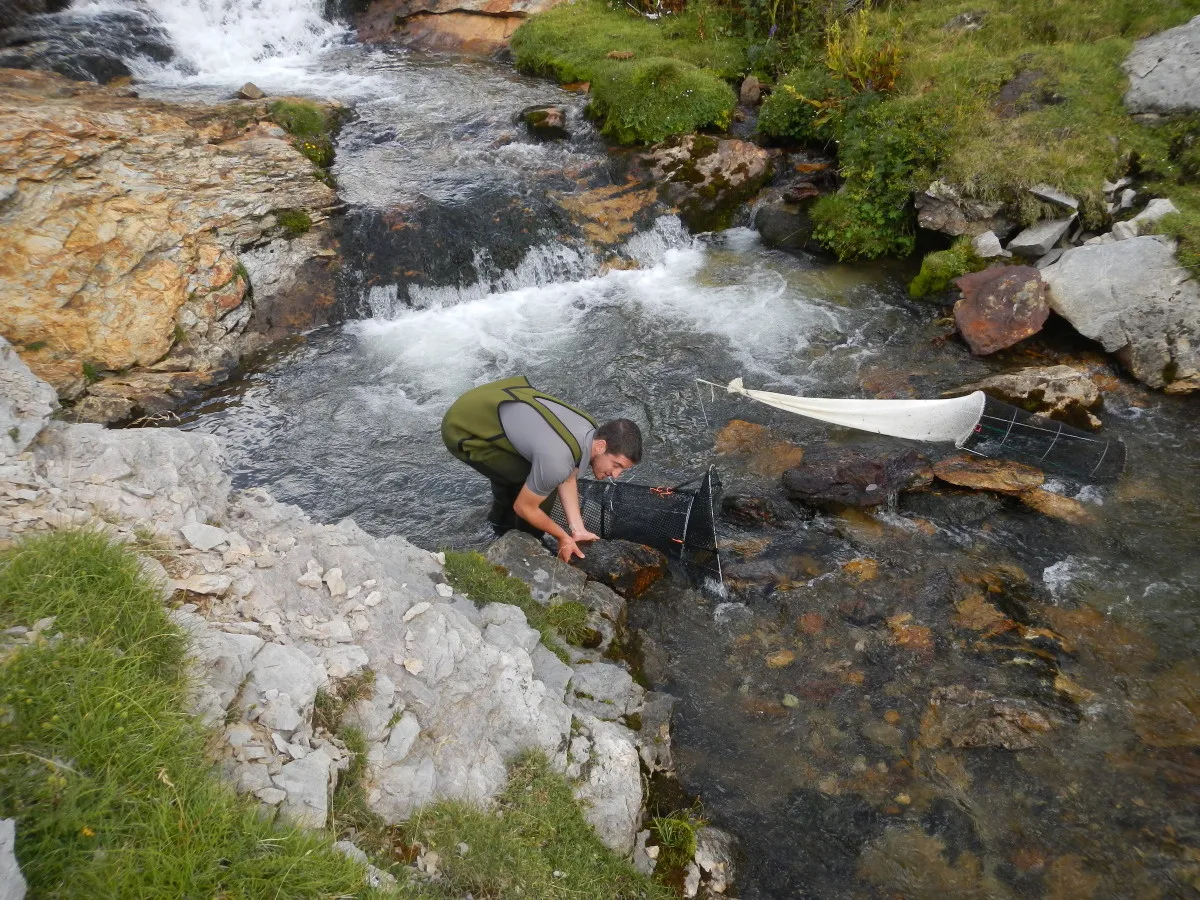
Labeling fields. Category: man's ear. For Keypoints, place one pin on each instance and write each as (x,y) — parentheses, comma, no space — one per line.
(599,445)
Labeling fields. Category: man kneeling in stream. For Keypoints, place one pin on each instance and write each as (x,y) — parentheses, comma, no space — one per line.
(530,444)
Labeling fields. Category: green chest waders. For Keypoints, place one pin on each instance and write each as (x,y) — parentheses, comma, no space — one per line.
(471,430)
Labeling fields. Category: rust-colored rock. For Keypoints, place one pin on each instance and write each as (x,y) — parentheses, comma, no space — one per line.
(975,613)
(121,240)
(1168,715)
(760,708)
(780,659)
(864,569)
(612,213)
(629,569)
(1000,307)
(965,718)
(768,456)
(1056,506)
(988,474)
(471,26)
(909,636)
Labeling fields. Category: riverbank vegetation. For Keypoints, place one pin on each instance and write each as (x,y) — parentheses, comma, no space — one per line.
(103,770)
(115,793)
(992,97)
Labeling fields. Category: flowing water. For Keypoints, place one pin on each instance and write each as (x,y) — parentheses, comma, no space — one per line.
(952,697)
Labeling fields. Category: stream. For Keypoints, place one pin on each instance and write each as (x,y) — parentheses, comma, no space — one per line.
(953,696)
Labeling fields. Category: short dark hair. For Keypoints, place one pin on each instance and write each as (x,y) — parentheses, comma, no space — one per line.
(623,438)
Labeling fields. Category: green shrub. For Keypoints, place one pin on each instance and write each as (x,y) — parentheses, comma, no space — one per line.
(294,221)
(647,101)
(804,107)
(887,149)
(105,773)
(940,268)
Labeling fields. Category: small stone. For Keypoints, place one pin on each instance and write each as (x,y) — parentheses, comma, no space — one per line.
(791,701)
(1053,195)
(691,880)
(416,610)
(204,537)
(250,91)
(373,599)
(443,590)
(335,582)
(903,799)
(780,659)
(414,666)
(1037,240)
(312,577)
(987,246)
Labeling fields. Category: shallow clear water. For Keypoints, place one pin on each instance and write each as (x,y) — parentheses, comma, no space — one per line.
(859,786)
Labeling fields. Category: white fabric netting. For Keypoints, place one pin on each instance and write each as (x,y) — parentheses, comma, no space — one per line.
(919,420)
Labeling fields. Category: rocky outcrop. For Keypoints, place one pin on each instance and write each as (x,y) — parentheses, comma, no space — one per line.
(26,402)
(1135,299)
(1164,71)
(469,26)
(707,178)
(629,569)
(1000,306)
(279,608)
(131,232)
(942,207)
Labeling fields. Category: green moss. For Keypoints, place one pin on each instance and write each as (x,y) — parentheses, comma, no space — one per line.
(311,127)
(294,221)
(940,268)
(107,777)
(649,100)
(675,82)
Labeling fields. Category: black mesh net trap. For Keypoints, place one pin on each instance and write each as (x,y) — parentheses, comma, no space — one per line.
(1009,433)
(680,521)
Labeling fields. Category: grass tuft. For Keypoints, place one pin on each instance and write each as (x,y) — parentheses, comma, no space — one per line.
(940,268)
(104,772)
(534,843)
(311,127)
(673,83)
(475,576)
(294,221)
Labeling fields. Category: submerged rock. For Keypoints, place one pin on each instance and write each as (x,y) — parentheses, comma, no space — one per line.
(1136,300)
(547,123)
(754,512)
(707,178)
(1000,306)
(629,569)
(831,479)
(966,718)
(1000,475)
(1059,392)
(1164,71)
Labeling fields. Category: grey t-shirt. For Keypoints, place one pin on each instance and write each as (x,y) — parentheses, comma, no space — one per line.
(536,440)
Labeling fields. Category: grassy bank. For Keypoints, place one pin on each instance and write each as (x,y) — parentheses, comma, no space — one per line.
(649,79)
(104,772)
(1027,93)
(115,795)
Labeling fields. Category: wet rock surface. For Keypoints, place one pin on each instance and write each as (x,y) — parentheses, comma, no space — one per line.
(999,475)
(707,178)
(1000,306)
(829,479)
(1063,393)
(156,284)
(629,569)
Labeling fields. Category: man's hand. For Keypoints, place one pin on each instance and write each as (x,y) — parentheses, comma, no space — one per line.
(582,535)
(568,549)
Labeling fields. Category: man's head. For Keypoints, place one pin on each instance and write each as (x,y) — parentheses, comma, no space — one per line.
(616,447)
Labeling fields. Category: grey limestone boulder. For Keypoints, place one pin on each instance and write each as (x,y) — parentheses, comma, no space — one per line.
(605,691)
(611,789)
(525,558)
(1164,71)
(307,783)
(26,402)
(12,882)
(1138,302)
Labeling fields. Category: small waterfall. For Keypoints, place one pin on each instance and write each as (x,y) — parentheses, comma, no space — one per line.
(221,37)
